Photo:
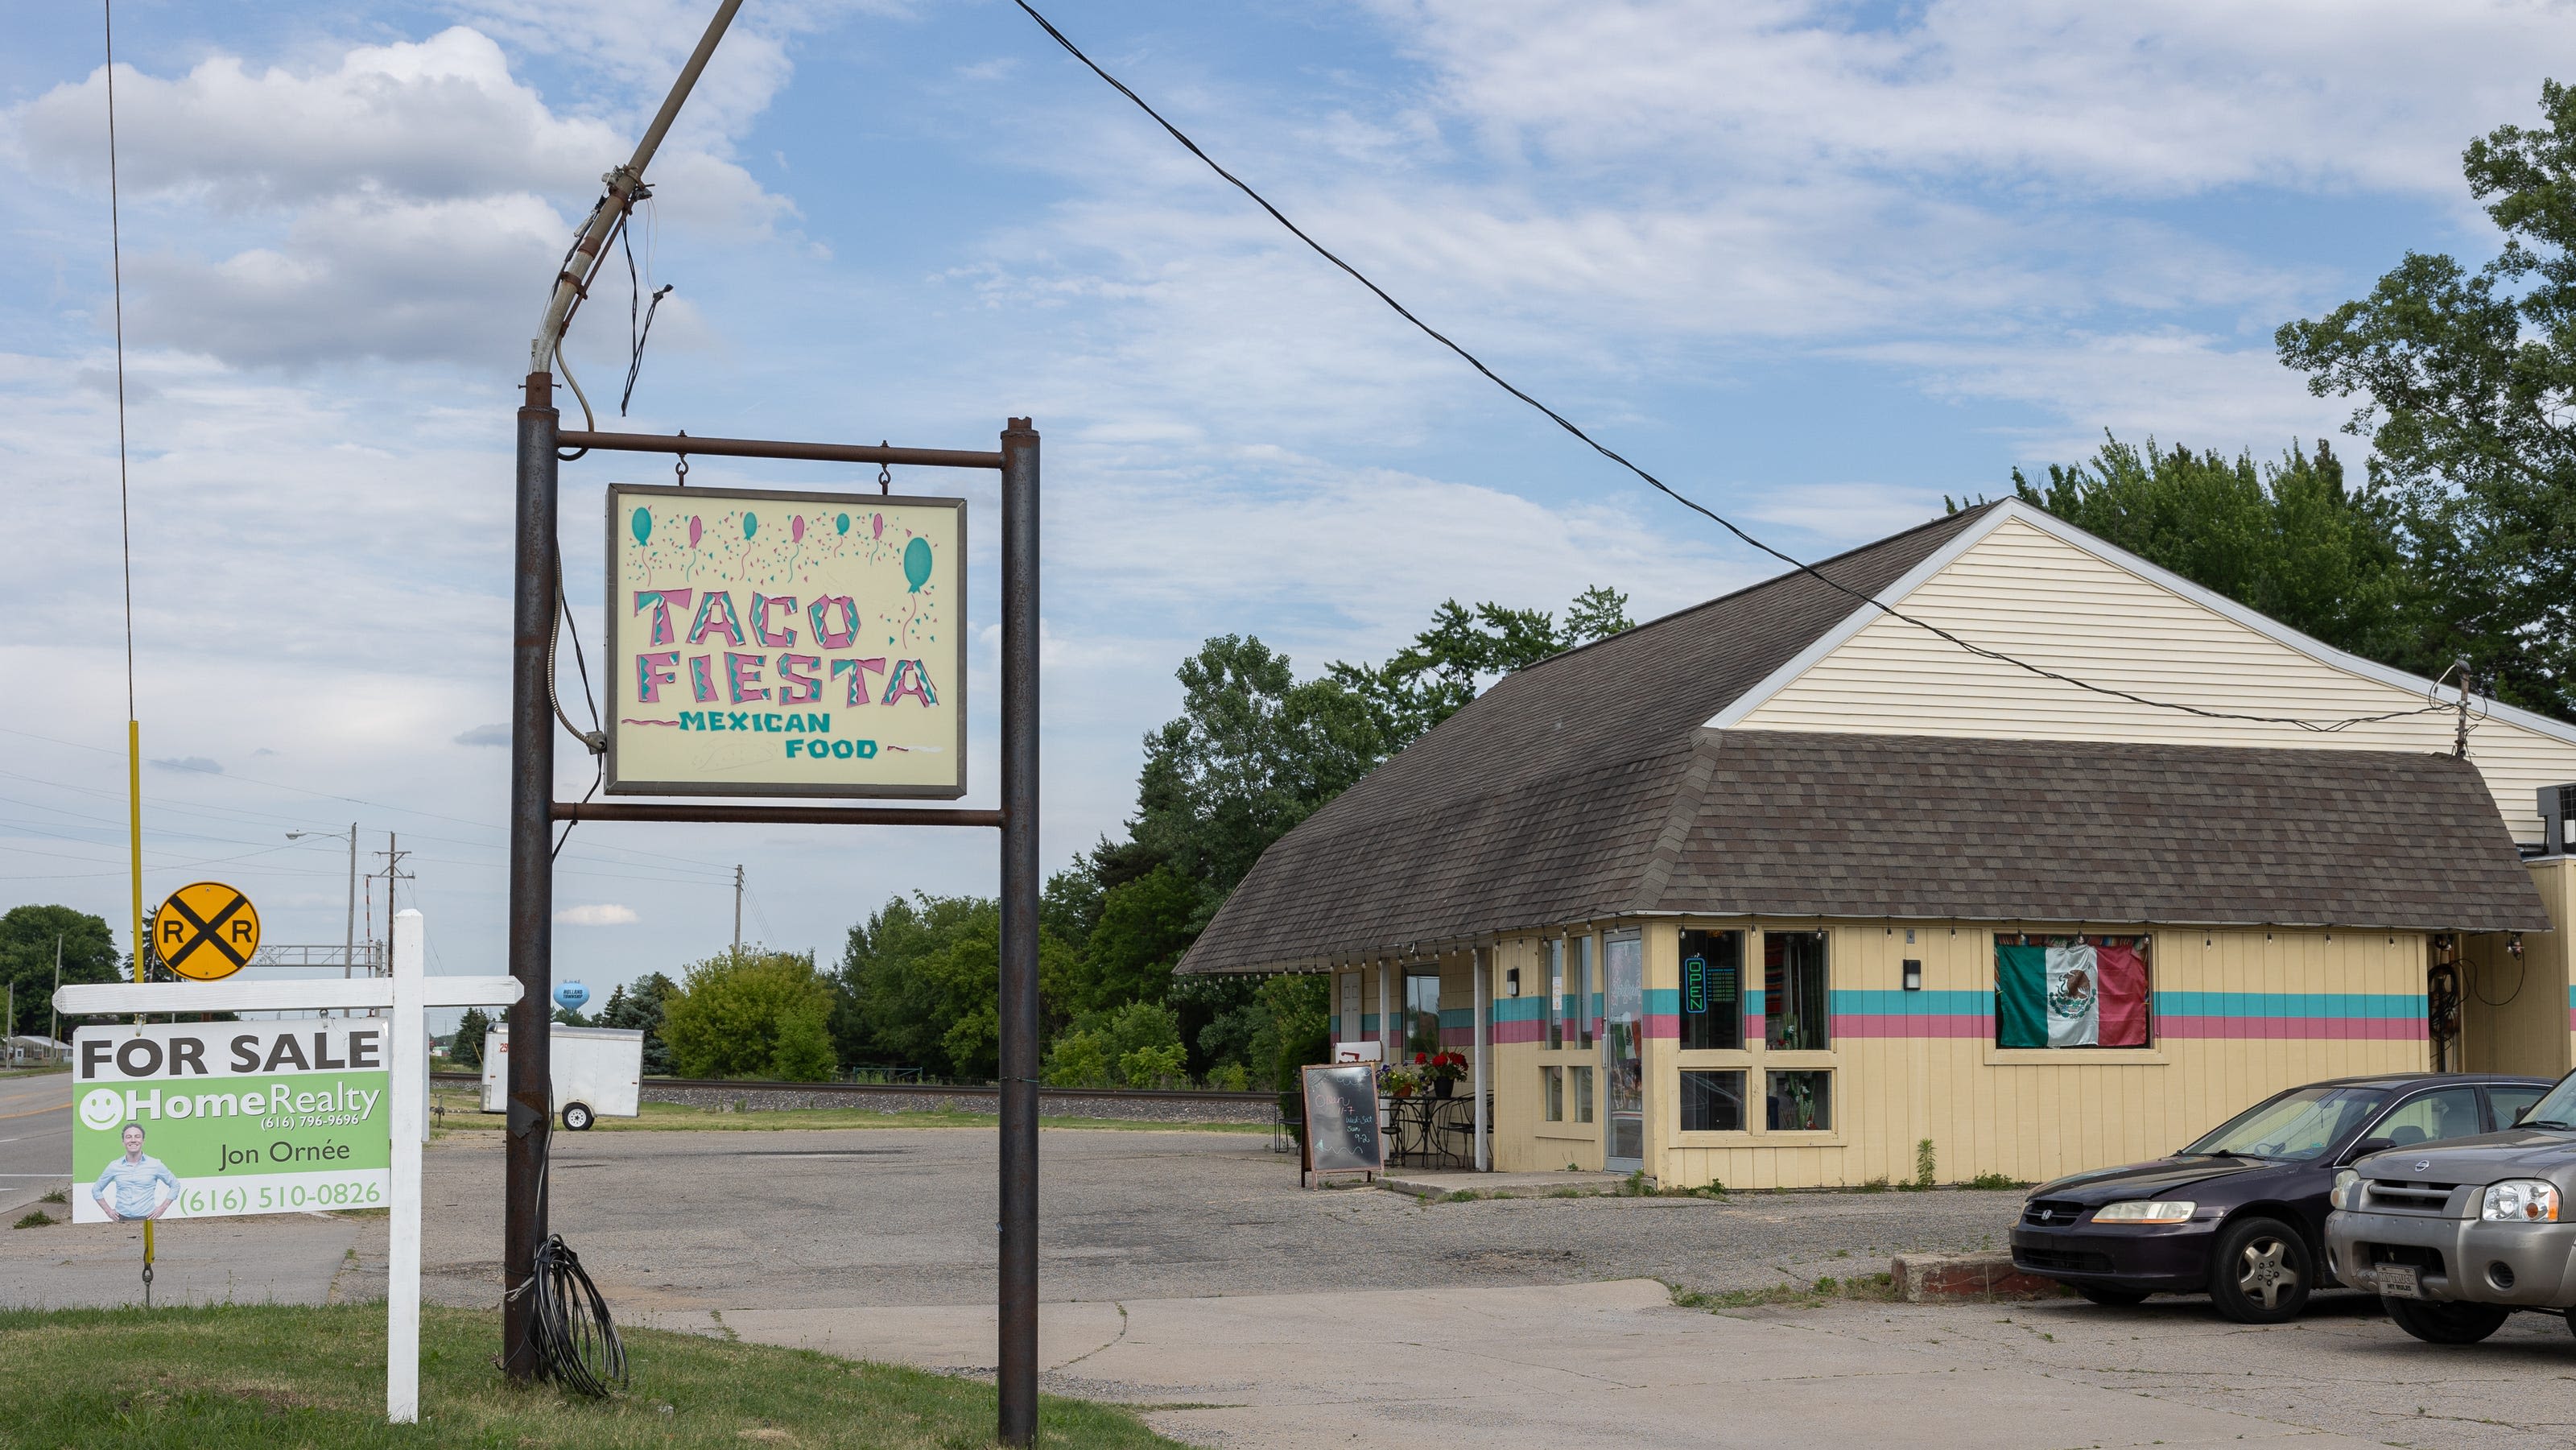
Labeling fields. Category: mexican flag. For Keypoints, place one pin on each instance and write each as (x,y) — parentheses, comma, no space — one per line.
(2070,996)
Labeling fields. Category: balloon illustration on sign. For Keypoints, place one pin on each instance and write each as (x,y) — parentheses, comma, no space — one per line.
(750,523)
(842,523)
(879,521)
(916,563)
(642,524)
(695,530)
(796,528)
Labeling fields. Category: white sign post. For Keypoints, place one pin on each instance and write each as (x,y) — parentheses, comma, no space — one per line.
(407,997)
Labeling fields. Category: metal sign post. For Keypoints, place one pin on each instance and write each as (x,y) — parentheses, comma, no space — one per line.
(534,809)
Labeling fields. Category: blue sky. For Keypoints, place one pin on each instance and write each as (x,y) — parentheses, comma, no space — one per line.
(1817,264)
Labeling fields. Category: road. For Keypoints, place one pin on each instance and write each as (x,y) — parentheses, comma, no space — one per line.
(35,1140)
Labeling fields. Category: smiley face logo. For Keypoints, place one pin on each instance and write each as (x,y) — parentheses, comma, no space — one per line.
(102,1108)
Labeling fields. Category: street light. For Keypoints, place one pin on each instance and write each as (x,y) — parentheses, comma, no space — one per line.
(349,950)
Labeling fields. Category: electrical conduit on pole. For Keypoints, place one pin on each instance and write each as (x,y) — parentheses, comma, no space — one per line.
(533,605)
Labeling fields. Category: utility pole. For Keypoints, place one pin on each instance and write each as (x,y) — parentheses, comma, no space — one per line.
(2460,732)
(393,873)
(737,914)
(349,946)
(53,1017)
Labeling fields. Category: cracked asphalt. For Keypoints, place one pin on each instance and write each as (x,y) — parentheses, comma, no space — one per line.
(880,1242)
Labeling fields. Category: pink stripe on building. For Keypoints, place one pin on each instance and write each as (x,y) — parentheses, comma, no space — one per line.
(1508,1032)
(2349,1029)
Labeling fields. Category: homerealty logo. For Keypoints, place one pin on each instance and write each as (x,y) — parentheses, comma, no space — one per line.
(104,1108)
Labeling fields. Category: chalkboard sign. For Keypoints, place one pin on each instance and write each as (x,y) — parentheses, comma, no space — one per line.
(1341,1120)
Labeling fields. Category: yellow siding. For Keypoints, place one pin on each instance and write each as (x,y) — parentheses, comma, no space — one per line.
(2027,593)
(2029,1116)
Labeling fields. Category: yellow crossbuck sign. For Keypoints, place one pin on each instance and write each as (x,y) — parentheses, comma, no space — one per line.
(205,931)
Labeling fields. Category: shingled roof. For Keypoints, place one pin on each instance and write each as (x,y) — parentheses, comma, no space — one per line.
(1586,787)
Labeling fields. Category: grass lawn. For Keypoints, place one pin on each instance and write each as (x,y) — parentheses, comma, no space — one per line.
(252,1377)
(667,1117)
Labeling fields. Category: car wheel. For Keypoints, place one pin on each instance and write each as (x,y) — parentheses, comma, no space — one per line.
(576,1116)
(2116,1298)
(2260,1272)
(2446,1323)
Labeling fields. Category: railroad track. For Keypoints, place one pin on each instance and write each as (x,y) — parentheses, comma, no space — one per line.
(915,1089)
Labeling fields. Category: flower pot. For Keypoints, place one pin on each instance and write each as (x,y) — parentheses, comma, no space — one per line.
(1440,1086)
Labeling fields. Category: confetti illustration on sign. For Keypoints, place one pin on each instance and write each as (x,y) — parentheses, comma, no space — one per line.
(897,583)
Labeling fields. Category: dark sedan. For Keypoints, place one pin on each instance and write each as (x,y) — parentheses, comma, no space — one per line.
(2241,1214)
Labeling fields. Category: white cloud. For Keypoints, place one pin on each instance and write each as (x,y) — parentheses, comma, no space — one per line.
(602,914)
(405,203)
(2154,99)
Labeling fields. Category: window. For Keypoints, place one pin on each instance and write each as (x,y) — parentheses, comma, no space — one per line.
(2510,1101)
(1798,1102)
(1582,1093)
(2071,991)
(2294,1126)
(1551,970)
(1551,1086)
(1421,1013)
(1713,1102)
(2430,1117)
(1578,953)
(1793,991)
(1712,999)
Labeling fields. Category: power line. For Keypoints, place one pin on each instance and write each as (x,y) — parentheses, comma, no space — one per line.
(1799,565)
(325,795)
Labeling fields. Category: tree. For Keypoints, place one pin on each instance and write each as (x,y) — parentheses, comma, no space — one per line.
(918,986)
(1254,752)
(27,938)
(1433,678)
(2468,380)
(467,1049)
(755,1015)
(637,1007)
(2285,539)
(1135,1046)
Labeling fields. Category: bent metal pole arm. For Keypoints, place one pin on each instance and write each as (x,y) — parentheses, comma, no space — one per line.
(574,281)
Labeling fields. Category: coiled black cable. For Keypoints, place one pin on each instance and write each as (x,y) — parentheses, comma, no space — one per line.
(575,1341)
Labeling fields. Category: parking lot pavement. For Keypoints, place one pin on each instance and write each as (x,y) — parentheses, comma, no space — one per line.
(906,1216)
(1188,1268)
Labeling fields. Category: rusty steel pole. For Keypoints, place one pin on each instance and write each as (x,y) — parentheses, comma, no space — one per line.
(532,887)
(1017,1366)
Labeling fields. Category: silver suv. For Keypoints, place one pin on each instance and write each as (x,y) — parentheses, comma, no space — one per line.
(2454,1237)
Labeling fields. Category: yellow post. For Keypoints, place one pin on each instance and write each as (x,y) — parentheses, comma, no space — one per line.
(134,843)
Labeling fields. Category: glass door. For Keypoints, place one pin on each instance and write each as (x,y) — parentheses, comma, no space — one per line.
(1623,1067)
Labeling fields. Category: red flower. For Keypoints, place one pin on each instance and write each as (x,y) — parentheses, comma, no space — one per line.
(1418,1057)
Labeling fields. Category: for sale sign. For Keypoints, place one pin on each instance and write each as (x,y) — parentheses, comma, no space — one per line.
(206,1119)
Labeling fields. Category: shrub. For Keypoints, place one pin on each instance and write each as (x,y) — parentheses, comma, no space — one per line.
(752,1016)
(1996,1180)
(1926,1165)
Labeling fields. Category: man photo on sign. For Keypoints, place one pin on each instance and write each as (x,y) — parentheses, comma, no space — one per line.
(136,1182)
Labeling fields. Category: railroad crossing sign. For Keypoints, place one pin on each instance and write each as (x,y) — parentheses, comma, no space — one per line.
(205,931)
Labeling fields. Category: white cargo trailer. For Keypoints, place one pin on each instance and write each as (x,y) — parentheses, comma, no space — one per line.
(597,1071)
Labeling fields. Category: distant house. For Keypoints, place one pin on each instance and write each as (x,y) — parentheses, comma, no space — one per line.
(28,1051)
(1770,890)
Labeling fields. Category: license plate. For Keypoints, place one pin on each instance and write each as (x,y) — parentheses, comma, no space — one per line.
(2397,1281)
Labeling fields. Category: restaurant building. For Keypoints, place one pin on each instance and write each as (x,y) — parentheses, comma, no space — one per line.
(1779,890)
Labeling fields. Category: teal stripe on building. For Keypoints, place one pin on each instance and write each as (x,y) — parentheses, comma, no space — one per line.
(2377,1006)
